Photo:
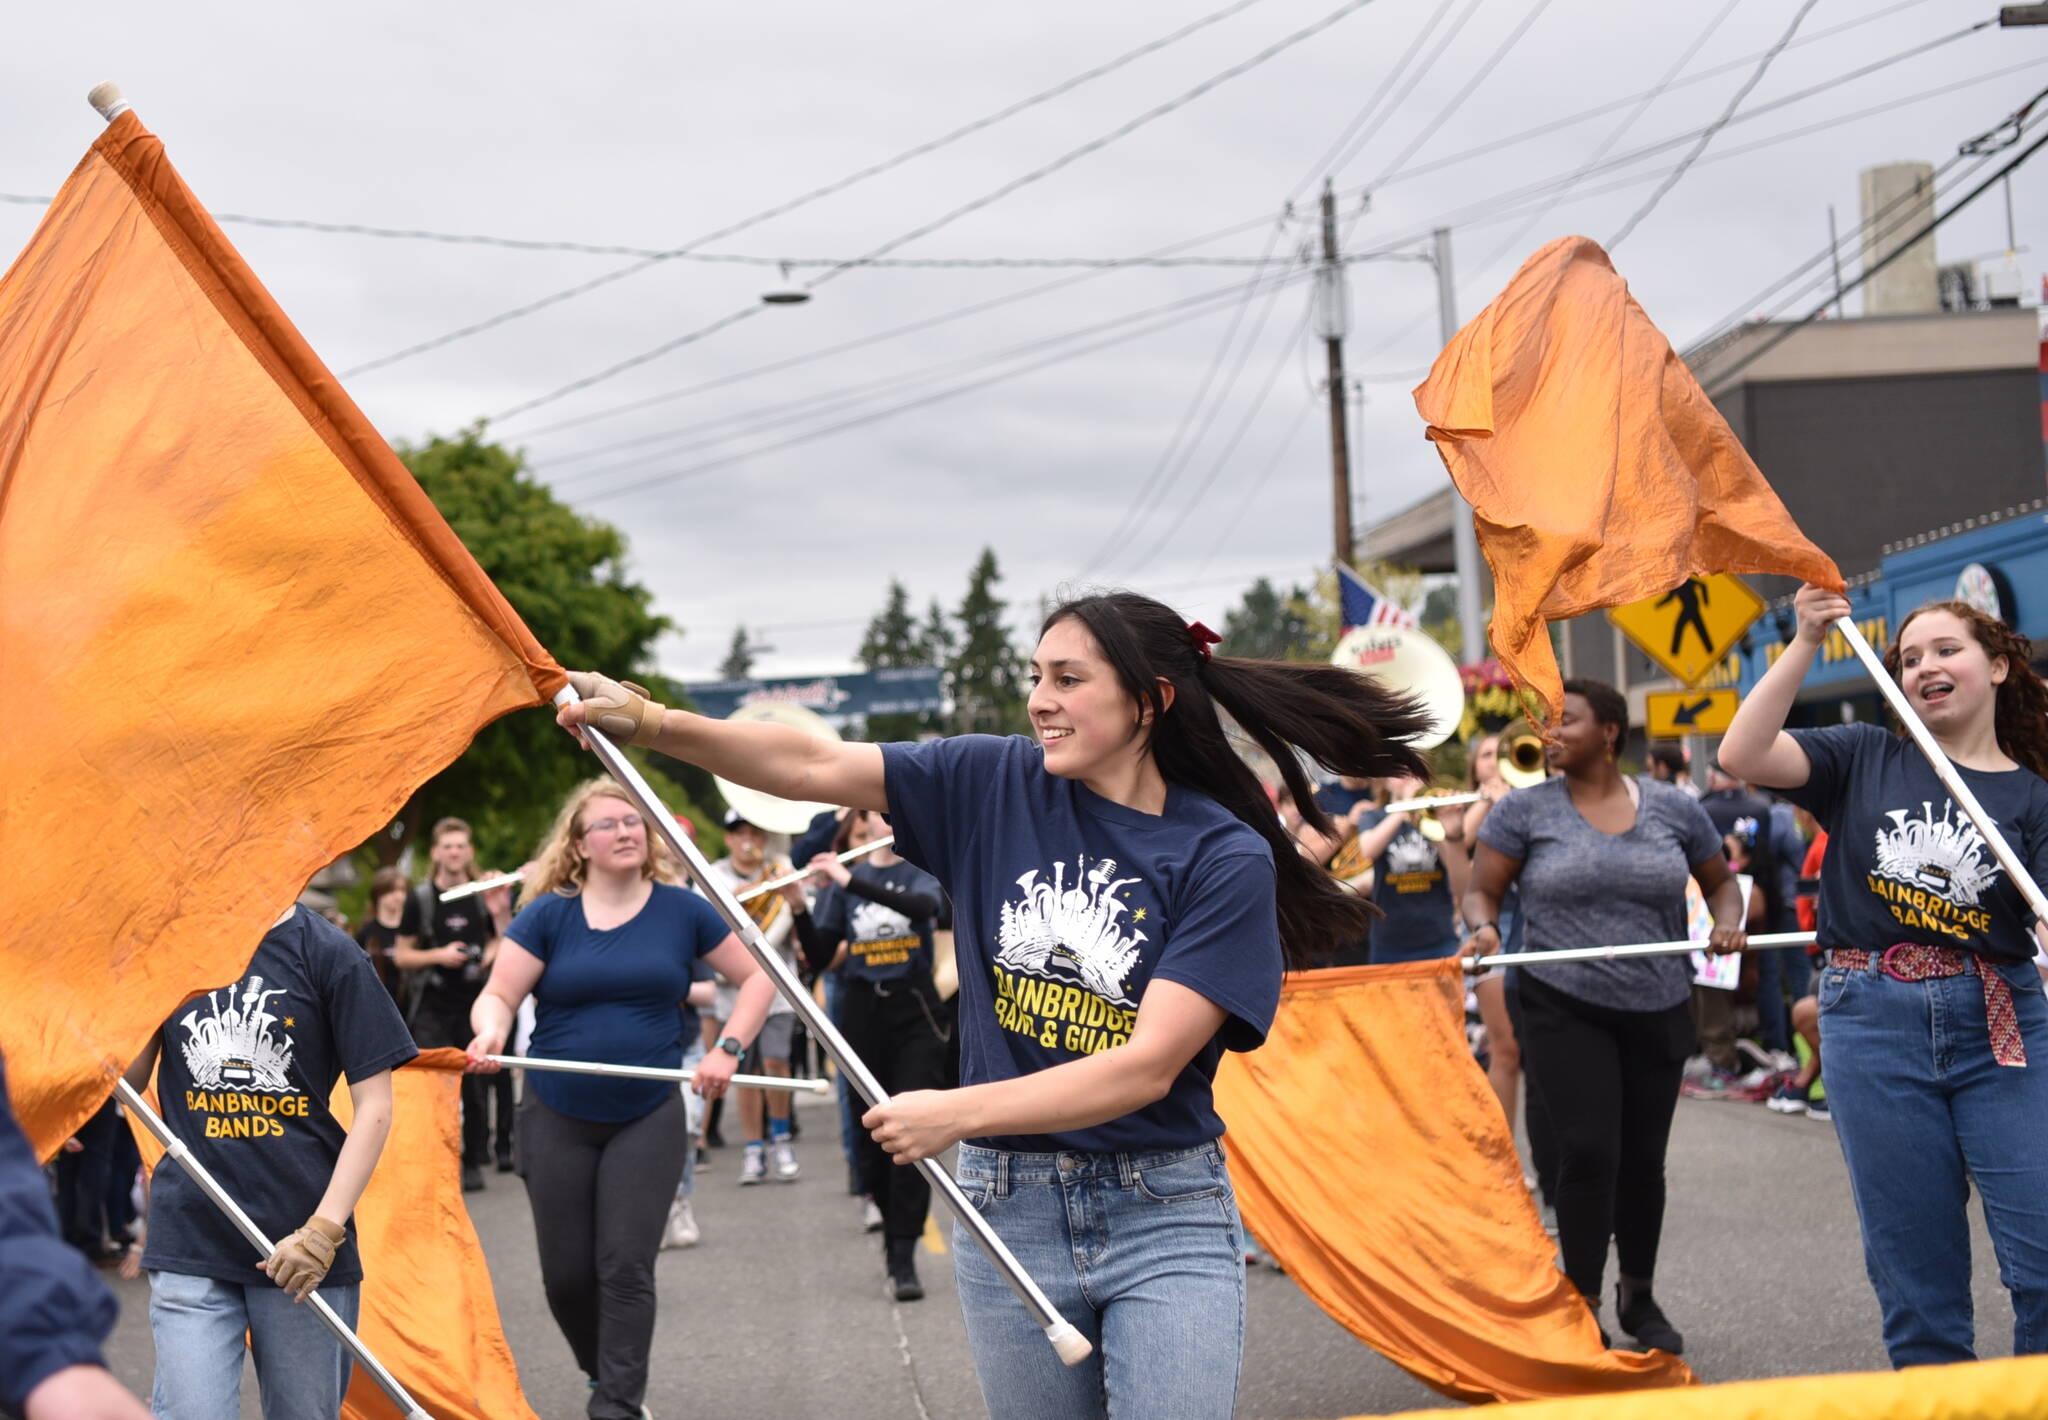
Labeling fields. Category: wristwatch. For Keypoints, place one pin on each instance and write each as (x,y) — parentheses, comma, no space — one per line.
(731,1046)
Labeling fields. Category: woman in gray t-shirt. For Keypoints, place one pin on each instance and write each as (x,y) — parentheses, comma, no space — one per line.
(1601,860)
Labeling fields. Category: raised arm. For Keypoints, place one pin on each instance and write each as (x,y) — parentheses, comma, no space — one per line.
(776,759)
(1756,746)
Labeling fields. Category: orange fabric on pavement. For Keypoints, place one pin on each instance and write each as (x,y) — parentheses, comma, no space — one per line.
(236,633)
(428,1311)
(1599,471)
(1370,1157)
(1983,1390)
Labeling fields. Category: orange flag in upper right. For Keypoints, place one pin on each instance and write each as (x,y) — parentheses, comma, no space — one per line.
(1599,471)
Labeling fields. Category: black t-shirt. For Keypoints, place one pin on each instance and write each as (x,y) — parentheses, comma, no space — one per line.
(447,992)
(1904,863)
(1747,818)
(376,940)
(882,944)
(244,1078)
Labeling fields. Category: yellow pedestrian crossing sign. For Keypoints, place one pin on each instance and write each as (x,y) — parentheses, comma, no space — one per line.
(1691,628)
(1674,714)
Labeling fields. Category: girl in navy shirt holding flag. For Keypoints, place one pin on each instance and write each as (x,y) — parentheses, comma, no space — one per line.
(1932,1013)
(1125,901)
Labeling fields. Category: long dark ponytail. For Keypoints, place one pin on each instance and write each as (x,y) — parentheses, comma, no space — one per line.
(1342,720)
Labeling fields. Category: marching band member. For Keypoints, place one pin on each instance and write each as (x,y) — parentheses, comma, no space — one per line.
(1936,1030)
(1124,900)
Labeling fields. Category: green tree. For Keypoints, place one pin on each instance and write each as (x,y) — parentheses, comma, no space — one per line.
(739,656)
(892,642)
(935,637)
(987,681)
(565,575)
(1268,624)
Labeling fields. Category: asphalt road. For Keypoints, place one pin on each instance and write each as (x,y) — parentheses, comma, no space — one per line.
(779,1312)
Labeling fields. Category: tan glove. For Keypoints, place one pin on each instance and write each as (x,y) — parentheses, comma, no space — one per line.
(619,708)
(301,1261)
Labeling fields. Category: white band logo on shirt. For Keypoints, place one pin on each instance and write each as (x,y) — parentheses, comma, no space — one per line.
(1061,933)
(233,1048)
(1946,857)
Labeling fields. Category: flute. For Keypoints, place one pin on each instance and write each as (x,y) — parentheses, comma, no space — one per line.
(782,882)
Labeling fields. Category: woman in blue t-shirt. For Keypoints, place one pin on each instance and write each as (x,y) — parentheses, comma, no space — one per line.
(1124,902)
(874,922)
(605,944)
(1936,1030)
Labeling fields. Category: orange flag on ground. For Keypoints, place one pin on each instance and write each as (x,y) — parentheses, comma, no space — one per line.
(428,1311)
(1366,1089)
(1980,1390)
(1599,471)
(236,632)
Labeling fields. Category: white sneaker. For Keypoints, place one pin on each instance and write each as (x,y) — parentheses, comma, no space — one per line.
(782,1158)
(870,1216)
(682,1226)
(753,1165)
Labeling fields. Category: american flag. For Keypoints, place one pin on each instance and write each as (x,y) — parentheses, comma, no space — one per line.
(1362,606)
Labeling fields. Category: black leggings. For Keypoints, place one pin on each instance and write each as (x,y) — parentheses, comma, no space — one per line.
(897,1035)
(600,1195)
(1607,1080)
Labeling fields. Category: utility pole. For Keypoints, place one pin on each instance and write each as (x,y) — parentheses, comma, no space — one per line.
(1333,323)
(1464,539)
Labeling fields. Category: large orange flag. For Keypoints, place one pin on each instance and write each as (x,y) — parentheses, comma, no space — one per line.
(1599,471)
(1366,1089)
(236,632)
(428,1311)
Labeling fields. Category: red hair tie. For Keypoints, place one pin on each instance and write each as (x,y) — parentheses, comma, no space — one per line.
(1203,638)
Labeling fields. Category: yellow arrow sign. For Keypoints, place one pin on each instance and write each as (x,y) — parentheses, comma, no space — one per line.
(1691,629)
(1674,714)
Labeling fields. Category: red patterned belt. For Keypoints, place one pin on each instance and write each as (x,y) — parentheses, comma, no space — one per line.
(1915,961)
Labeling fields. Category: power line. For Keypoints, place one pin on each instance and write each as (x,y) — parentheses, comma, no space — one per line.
(1413,82)
(1755,78)
(1429,130)
(1328,163)
(827,190)
(1044,170)
(934,397)
(1764,347)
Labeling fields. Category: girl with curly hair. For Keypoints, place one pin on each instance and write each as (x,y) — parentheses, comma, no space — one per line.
(1933,1015)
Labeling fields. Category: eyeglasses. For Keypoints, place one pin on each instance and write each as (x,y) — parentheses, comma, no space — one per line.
(613,825)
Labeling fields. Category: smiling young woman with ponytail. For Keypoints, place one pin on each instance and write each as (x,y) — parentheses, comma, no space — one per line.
(1125,901)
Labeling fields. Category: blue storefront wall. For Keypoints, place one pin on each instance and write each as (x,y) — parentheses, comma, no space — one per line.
(2014,550)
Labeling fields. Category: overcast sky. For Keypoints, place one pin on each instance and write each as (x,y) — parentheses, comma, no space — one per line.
(652,125)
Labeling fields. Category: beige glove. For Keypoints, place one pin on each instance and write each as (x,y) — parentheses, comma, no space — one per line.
(301,1260)
(619,708)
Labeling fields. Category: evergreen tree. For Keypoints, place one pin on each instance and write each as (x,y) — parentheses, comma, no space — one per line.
(987,681)
(892,641)
(1268,624)
(935,637)
(739,657)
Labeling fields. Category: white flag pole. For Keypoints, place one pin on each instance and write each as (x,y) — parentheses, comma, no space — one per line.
(1763,941)
(650,1072)
(1070,1344)
(1944,770)
(209,1185)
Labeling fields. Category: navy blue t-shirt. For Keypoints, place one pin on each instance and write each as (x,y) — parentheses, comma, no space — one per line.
(1904,863)
(1413,888)
(1066,905)
(881,943)
(244,1078)
(617,997)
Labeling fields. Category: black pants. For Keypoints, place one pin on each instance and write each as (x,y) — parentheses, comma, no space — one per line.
(82,1180)
(600,1195)
(897,1035)
(1535,1123)
(1608,1081)
(478,1093)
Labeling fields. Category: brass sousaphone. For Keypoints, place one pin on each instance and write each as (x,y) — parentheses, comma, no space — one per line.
(766,811)
(1407,661)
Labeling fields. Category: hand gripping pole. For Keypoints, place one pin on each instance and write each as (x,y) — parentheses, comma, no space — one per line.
(1072,1346)
(177,1149)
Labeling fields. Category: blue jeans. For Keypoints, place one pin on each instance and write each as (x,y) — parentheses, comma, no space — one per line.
(302,1368)
(1922,1109)
(1141,1252)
